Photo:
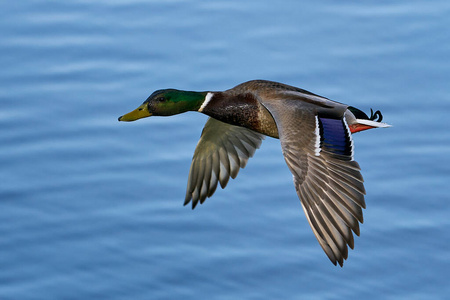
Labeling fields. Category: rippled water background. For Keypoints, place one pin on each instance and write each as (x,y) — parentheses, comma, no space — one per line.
(92,209)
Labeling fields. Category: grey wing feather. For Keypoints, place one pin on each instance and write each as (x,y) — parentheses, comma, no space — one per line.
(220,153)
(329,185)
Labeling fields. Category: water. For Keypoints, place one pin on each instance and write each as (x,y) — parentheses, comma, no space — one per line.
(92,209)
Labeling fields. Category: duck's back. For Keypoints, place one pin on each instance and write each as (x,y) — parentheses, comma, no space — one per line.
(268,87)
(262,97)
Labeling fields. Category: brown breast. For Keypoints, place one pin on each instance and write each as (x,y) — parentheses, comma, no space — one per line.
(241,109)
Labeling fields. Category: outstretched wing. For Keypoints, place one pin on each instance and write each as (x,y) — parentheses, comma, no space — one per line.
(221,151)
(318,149)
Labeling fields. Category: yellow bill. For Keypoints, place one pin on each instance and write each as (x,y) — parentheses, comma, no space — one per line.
(138,113)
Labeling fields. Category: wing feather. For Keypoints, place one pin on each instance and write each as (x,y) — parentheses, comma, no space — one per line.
(221,152)
(318,149)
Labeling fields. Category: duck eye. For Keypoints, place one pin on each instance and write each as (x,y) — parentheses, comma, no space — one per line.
(160,99)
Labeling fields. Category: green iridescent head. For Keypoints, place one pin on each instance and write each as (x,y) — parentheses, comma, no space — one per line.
(166,102)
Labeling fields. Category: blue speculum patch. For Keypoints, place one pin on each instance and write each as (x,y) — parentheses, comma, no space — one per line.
(334,136)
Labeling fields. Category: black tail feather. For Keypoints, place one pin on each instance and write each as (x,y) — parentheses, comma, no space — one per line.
(359,114)
(377,115)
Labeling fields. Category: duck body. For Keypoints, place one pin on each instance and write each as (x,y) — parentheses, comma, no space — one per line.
(246,105)
(315,135)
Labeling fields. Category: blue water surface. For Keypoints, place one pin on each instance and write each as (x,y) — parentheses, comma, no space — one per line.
(91,208)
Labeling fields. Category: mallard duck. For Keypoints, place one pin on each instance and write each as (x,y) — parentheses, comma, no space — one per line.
(316,141)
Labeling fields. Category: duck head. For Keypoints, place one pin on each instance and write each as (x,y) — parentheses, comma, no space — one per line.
(166,102)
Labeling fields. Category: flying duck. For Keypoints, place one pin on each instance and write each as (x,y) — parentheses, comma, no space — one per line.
(316,140)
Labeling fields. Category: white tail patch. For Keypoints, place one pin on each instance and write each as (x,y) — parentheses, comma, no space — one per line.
(205,103)
(372,123)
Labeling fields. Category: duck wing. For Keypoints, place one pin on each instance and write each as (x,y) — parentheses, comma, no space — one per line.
(220,153)
(318,149)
